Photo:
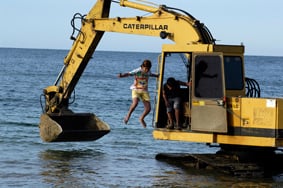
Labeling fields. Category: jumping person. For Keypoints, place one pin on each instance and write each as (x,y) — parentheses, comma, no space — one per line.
(140,89)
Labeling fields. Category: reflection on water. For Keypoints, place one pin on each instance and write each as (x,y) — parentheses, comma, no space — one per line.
(67,167)
(210,178)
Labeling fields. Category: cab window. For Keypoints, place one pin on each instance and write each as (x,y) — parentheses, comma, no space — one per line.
(208,77)
(233,73)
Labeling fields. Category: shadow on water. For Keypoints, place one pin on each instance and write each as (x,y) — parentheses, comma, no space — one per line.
(61,155)
(64,168)
(211,177)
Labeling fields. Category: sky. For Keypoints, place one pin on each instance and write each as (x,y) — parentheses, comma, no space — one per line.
(258,24)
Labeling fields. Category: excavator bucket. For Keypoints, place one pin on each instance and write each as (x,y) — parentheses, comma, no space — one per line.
(71,127)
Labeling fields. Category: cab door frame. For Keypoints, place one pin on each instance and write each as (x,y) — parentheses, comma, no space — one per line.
(208,111)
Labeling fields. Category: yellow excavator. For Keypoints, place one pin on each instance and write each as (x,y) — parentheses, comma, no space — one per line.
(223,109)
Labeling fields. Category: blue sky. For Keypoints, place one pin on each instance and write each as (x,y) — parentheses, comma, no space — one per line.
(258,24)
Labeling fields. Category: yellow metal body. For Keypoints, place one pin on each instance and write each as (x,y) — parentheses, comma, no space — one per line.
(251,122)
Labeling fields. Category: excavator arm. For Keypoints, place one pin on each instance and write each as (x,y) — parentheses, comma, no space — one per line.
(57,96)
(164,22)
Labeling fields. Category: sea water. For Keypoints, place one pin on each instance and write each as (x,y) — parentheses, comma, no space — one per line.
(123,158)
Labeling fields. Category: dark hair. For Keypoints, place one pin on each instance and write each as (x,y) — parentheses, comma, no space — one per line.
(146,63)
(202,66)
(171,81)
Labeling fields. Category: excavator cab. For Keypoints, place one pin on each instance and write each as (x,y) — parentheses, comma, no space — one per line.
(203,104)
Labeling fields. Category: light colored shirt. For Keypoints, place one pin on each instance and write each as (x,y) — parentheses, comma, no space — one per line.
(141,79)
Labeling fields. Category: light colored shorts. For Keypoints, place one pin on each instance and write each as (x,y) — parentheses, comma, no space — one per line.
(175,103)
(143,95)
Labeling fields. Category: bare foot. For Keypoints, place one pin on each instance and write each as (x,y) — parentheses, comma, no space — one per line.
(126,119)
(143,123)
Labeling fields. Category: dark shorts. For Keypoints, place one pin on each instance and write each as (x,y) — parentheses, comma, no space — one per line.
(174,103)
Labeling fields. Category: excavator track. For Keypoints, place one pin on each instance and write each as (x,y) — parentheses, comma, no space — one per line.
(225,163)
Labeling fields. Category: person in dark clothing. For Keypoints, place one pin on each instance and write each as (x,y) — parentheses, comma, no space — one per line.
(172,97)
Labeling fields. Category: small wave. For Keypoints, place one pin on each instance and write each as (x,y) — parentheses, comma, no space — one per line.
(25,124)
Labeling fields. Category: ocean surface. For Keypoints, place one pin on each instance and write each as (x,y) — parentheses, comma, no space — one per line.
(123,158)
